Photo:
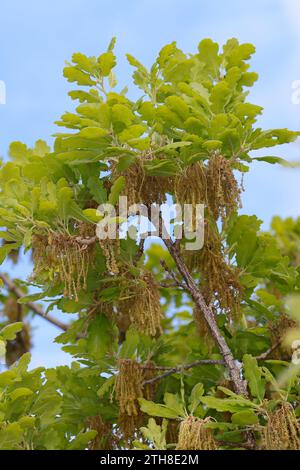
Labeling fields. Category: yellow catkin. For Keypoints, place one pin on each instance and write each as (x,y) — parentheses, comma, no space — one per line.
(142,188)
(128,389)
(111,251)
(222,188)
(105,439)
(203,329)
(142,309)
(219,280)
(149,372)
(66,259)
(283,430)
(191,187)
(129,386)
(194,435)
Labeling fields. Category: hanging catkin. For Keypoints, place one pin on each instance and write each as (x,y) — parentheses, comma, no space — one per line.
(142,309)
(283,430)
(142,188)
(191,186)
(105,439)
(66,259)
(222,188)
(194,435)
(219,280)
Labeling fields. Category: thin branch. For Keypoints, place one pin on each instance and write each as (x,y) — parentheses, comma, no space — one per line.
(31,305)
(174,370)
(200,362)
(170,284)
(171,274)
(269,351)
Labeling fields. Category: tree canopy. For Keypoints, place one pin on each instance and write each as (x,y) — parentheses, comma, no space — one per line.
(171,348)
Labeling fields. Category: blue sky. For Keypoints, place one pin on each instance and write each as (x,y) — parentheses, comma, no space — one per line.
(37,37)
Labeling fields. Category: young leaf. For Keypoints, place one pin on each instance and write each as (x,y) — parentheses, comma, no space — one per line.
(253,375)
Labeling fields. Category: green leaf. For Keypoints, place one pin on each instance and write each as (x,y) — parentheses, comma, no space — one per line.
(72,74)
(6,249)
(92,215)
(78,157)
(244,418)
(233,405)
(156,433)
(272,160)
(2,349)
(20,392)
(154,409)
(112,44)
(10,436)
(173,402)
(81,440)
(159,167)
(130,345)
(195,397)
(99,338)
(122,114)
(125,161)
(31,298)
(253,375)
(97,189)
(106,62)
(85,63)
(9,332)
(93,132)
(106,386)
(173,146)
(116,190)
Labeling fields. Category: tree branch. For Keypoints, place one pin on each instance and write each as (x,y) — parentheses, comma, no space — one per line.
(174,370)
(32,306)
(200,362)
(269,351)
(192,288)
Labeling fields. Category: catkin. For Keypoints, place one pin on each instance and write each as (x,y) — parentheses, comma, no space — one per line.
(283,430)
(105,439)
(142,188)
(128,389)
(222,188)
(142,309)
(194,435)
(191,186)
(67,260)
(220,281)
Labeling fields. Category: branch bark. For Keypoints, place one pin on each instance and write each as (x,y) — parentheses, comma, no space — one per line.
(192,288)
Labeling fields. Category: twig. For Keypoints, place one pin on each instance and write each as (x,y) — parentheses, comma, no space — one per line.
(174,370)
(170,284)
(171,274)
(269,351)
(32,306)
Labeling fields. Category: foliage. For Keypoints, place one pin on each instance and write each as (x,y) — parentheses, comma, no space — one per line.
(190,135)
